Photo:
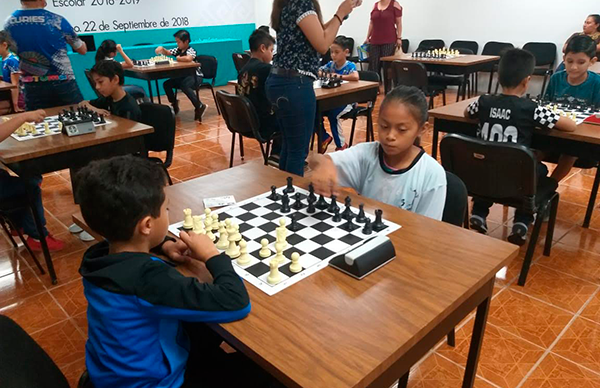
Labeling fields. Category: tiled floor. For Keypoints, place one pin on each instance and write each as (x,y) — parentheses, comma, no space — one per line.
(546,334)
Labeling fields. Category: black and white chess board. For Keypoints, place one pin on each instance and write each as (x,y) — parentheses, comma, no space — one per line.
(577,113)
(318,238)
(53,124)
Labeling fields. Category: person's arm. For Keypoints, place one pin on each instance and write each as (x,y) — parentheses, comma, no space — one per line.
(189,56)
(128,62)
(472,110)
(72,38)
(160,50)
(368,40)
(398,11)
(352,73)
(8,127)
(324,175)
(99,105)
(546,118)
(432,203)
(321,36)
(14,79)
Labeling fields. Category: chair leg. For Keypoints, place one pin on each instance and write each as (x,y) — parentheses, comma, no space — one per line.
(497,87)
(444,96)
(12,240)
(31,253)
(530,251)
(352,131)
(551,222)
(232,149)
(370,133)
(241,146)
(215,100)
(592,201)
(491,81)
(312,141)
(544,84)
(44,243)
(451,338)
(168,175)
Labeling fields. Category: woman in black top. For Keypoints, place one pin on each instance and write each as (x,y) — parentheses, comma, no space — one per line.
(301,36)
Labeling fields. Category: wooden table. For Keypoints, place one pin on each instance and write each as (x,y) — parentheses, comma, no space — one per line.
(465,64)
(583,143)
(6,94)
(331,330)
(154,73)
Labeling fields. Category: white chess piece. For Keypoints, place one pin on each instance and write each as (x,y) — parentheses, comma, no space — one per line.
(210,235)
(244,258)
(207,213)
(233,251)
(208,224)
(236,234)
(228,225)
(188,222)
(47,128)
(281,234)
(215,221)
(223,242)
(279,257)
(265,251)
(198,225)
(274,275)
(295,267)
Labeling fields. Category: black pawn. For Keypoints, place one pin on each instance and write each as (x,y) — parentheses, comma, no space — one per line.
(311,207)
(102,121)
(285,204)
(290,186)
(336,215)
(378,225)
(348,214)
(367,229)
(274,196)
(361,218)
(311,193)
(333,207)
(349,226)
(298,204)
(322,203)
(294,227)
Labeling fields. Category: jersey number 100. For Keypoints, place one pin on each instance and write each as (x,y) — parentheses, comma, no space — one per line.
(499,134)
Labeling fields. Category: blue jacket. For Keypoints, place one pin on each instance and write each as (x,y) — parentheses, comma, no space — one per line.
(136,303)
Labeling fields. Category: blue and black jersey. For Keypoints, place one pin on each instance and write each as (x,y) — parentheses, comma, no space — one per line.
(136,303)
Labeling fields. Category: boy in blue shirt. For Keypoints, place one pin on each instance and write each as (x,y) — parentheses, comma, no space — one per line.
(346,70)
(576,85)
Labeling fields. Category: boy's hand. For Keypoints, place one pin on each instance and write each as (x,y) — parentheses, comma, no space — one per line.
(200,246)
(324,176)
(36,116)
(119,48)
(159,50)
(102,112)
(177,251)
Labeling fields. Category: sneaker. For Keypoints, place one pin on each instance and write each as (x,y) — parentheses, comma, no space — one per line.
(74,228)
(518,236)
(175,106)
(54,245)
(479,224)
(324,144)
(86,237)
(199,113)
(342,147)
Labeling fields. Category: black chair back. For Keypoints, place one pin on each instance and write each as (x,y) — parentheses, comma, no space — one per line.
(499,172)
(240,60)
(326,58)
(457,200)
(431,44)
(162,119)
(209,66)
(351,41)
(409,74)
(465,44)
(24,362)
(496,48)
(88,75)
(371,76)
(405,45)
(240,115)
(544,53)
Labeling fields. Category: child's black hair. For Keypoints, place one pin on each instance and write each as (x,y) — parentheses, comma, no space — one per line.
(115,194)
(110,69)
(581,44)
(183,35)
(596,18)
(515,66)
(6,38)
(413,98)
(343,42)
(265,29)
(107,47)
(258,38)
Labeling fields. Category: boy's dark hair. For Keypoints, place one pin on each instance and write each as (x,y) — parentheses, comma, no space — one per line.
(413,98)
(581,44)
(115,194)
(110,69)
(515,66)
(596,18)
(183,35)
(265,29)
(6,38)
(343,42)
(107,47)
(258,38)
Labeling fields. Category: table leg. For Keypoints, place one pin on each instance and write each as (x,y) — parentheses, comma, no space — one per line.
(434,145)
(477,338)
(403,382)
(150,91)
(319,128)
(40,229)
(592,201)
(386,79)
(157,91)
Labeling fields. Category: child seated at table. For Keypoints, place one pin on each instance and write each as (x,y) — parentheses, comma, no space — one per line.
(11,187)
(108,77)
(508,118)
(10,69)
(109,49)
(576,85)
(346,70)
(251,84)
(392,170)
(141,310)
(184,53)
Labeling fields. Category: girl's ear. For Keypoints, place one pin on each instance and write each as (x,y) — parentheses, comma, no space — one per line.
(424,127)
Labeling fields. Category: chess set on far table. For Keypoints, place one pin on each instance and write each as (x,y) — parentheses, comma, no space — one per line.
(575,111)
(443,53)
(154,61)
(274,244)
(72,122)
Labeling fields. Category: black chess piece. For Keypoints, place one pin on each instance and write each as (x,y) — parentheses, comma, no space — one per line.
(333,206)
(290,186)
(311,193)
(348,214)
(274,196)
(378,225)
(285,204)
(298,204)
(102,120)
(311,207)
(322,203)
(361,218)
(336,215)
(349,226)
(367,229)
(294,226)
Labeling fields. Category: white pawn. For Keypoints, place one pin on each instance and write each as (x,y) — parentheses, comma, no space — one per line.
(223,242)
(188,221)
(295,267)
(47,128)
(274,276)
(215,221)
(208,225)
(210,235)
(279,257)
(244,258)
(233,250)
(228,225)
(207,212)
(236,232)
(265,251)
(198,225)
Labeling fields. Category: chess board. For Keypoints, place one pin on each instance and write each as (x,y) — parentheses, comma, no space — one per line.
(318,240)
(54,126)
(581,113)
